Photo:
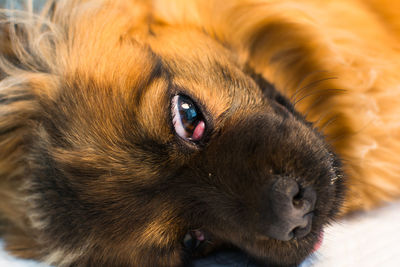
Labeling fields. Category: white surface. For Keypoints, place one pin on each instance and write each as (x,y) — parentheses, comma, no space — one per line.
(8,261)
(368,240)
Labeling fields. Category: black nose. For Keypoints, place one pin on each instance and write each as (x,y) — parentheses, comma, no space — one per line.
(290,209)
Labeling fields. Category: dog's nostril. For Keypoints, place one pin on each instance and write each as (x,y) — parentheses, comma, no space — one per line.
(290,209)
(298,201)
(306,200)
(288,192)
(302,231)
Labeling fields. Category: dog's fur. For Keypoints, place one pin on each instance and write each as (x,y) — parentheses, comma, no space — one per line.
(92,173)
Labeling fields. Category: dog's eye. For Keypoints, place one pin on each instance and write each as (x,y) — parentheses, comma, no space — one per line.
(187,119)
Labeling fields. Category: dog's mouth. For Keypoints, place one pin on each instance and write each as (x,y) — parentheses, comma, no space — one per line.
(319,242)
(194,239)
(253,237)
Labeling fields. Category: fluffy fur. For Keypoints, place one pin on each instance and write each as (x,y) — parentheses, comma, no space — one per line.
(347,69)
(91,171)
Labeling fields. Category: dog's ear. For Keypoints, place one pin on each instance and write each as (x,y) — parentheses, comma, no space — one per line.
(272,43)
(25,77)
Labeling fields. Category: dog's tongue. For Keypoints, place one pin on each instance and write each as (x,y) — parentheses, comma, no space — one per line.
(319,242)
(193,239)
(199,235)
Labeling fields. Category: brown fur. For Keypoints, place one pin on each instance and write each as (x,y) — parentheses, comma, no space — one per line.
(338,61)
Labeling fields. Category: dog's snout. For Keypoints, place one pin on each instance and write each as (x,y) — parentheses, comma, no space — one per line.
(290,209)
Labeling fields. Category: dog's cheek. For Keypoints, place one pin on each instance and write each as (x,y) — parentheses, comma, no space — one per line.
(82,216)
(123,243)
(122,255)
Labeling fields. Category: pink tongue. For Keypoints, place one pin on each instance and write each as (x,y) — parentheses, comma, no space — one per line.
(319,242)
(199,235)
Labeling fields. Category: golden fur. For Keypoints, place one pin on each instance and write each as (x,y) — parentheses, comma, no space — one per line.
(344,54)
(337,60)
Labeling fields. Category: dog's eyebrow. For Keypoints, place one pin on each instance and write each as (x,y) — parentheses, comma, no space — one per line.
(225,73)
(156,71)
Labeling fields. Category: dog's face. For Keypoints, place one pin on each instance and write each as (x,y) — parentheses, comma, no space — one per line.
(151,141)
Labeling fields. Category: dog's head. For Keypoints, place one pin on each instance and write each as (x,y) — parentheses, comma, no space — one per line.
(143,142)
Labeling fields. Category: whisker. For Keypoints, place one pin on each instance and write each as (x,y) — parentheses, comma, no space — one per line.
(285,88)
(322,116)
(337,138)
(313,105)
(293,97)
(322,92)
(323,127)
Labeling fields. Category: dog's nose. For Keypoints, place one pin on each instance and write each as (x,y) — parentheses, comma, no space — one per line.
(290,209)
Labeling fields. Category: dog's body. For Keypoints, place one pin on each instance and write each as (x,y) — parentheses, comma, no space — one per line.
(95,171)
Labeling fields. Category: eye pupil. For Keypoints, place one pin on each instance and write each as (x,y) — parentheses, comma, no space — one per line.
(188,114)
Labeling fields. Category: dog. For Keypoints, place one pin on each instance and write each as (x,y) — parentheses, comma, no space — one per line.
(149,133)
